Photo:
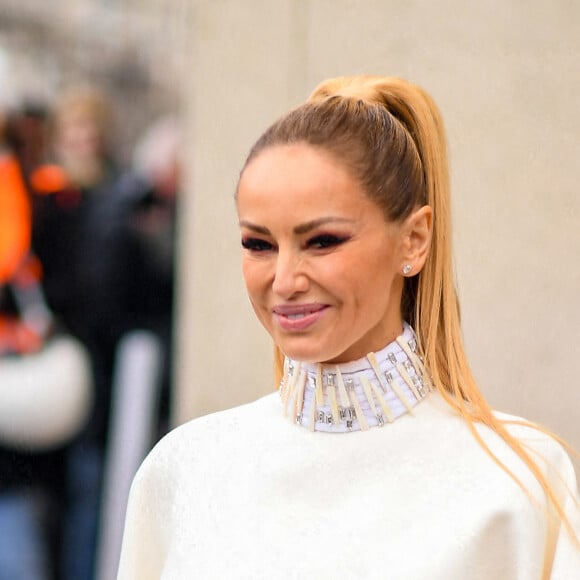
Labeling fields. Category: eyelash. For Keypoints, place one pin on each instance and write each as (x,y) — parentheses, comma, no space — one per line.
(256,245)
(325,241)
(321,242)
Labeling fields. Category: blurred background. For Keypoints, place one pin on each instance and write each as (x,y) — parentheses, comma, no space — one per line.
(123,126)
(90,168)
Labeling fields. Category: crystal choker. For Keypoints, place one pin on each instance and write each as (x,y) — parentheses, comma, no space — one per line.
(358,395)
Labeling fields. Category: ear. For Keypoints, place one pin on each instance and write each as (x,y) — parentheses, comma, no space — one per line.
(417,230)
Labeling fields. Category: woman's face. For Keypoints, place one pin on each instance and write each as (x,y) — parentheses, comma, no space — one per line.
(321,264)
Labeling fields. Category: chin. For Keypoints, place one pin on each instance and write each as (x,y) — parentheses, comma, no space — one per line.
(308,353)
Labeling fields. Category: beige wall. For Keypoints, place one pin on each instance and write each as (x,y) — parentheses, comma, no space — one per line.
(505,74)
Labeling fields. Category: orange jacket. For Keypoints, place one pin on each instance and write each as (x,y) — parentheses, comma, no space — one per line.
(15,218)
(17,266)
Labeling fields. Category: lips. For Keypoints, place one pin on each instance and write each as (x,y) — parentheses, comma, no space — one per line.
(298,317)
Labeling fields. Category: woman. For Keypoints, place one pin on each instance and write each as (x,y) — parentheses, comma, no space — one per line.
(389,462)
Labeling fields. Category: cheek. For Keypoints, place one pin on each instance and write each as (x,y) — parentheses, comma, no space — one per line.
(255,276)
(374,277)
(375,266)
(248,275)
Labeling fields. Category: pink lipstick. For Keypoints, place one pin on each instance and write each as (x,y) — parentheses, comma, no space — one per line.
(298,317)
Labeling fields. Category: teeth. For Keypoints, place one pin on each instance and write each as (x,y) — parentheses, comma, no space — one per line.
(297,316)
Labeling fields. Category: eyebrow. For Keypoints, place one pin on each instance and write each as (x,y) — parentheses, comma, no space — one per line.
(299,229)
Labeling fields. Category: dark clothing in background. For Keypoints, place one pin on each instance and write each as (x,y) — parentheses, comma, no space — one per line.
(60,229)
(108,261)
(130,252)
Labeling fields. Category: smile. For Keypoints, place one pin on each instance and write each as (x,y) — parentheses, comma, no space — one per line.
(298,318)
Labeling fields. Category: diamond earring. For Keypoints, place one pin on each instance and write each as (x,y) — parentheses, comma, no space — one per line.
(407,268)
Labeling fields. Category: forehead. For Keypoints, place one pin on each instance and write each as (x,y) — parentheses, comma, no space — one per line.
(289,186)
(298,172)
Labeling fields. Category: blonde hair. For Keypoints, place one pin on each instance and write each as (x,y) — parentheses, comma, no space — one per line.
(88,106)
(86,101)
(390,134)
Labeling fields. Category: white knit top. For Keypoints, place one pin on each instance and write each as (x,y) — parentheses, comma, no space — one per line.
(249,494)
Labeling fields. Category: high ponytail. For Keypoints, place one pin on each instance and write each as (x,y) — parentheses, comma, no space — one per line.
(391,136)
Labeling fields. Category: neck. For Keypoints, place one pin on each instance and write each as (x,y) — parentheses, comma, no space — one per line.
(372,391)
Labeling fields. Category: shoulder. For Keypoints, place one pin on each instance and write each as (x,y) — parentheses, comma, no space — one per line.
(535,438)
(478,449)
(543,447)
(226,423)
(197,442)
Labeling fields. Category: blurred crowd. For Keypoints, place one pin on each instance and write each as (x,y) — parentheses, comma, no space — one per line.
(86,257)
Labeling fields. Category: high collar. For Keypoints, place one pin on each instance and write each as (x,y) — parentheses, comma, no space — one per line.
(357,395)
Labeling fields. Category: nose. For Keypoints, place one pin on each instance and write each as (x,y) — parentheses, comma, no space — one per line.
(290,277)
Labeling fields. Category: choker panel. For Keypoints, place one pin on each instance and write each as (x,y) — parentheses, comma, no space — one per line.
(369,392)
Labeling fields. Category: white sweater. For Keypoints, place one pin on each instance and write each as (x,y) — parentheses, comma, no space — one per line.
(247,494)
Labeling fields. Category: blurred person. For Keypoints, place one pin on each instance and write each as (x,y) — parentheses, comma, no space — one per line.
(158,159)
(133,232)
(157,165)
(23,553)
(107,237)
(134,228)
(80,177)
(80,147)
(44,383)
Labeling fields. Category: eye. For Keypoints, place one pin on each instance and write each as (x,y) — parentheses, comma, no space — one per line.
(256,245)
(325,241)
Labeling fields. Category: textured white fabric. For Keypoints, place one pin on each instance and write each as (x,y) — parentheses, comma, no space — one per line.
(247,494)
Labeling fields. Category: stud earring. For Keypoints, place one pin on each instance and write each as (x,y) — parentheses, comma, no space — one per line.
(407,268)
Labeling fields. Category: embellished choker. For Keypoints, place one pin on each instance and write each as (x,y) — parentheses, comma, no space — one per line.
(369,392)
